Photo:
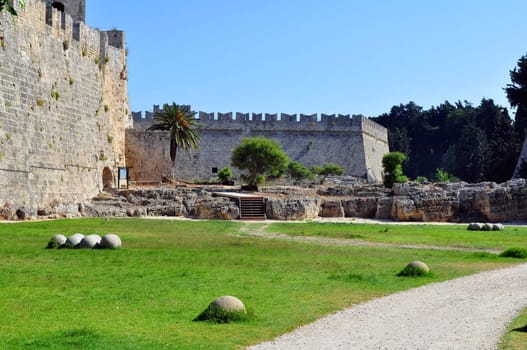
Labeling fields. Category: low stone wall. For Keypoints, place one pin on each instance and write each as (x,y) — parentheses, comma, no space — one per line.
(443,202)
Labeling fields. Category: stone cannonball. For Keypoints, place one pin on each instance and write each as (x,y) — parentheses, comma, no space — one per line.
(472,226)
(497,227)
(228,303)
(74,240)
(110,241)
(90,241)
(487,227)
(419,265)
(59,239)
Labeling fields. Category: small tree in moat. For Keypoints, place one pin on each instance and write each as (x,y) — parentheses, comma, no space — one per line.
(179,121)
(261,157)
(325,170)
(393,170)
(298,172)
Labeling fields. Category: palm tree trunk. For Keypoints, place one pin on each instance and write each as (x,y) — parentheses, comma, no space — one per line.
(173,153)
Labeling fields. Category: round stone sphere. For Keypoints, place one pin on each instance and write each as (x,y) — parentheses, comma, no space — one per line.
(74,240)
(228,303)
(110,241)
(90,242)
(497,227)
(59,239)
(473,227)
(487,227)
(419,265)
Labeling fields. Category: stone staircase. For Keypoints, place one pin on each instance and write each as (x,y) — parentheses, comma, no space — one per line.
(252,208)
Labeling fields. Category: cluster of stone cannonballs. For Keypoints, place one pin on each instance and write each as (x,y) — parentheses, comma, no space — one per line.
(475,226)
(78,240)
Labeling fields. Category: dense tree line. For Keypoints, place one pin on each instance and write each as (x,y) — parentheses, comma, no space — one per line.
(473,143)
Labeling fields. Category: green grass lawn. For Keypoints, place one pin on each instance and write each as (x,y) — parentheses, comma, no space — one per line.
(516,337)
(428,234)
(145,295)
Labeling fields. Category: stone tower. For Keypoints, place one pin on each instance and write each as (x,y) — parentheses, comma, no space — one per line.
(75,8)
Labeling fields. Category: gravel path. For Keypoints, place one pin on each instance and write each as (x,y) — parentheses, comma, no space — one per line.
(258,230)
(466,313)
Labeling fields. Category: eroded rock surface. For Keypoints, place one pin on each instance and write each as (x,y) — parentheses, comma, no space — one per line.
(486,202)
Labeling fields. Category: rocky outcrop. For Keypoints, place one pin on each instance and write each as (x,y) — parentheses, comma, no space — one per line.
(292,208)
(447,202)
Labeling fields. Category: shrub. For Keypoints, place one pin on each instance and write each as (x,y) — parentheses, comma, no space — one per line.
(441,175)
(514,252)
(225,174)
(298,172)
(325,170)
(421,179)
(393,169)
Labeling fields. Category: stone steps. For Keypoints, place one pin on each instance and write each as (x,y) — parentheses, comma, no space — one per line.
(252,208)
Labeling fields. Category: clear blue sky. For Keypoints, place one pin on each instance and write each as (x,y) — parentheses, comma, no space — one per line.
(315,56)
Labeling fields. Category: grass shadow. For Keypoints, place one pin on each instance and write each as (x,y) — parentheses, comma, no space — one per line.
(78,338)
(521,329)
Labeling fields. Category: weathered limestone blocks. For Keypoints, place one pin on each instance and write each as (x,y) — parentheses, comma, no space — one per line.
(292,208)
(456,202)
(332,208)
(208,207)
(361,207)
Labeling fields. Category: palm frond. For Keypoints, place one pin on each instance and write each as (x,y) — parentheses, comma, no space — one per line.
(179,121)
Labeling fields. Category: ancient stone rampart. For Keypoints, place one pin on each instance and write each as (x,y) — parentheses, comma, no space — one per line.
(354,142)
(63,107)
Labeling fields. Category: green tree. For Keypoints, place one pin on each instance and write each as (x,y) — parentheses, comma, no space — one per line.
(517,95)
(469,156)
(392,164)
(325,170)
(298,172)
(179,121)
(261,157)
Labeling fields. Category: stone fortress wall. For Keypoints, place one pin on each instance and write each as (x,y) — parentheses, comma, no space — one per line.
(356,143)
(63,105)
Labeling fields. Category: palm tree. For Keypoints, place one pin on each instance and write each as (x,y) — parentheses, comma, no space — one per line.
(179,121)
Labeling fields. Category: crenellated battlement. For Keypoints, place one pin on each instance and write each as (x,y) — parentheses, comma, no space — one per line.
(63,103)
(274,122)
(55,21)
